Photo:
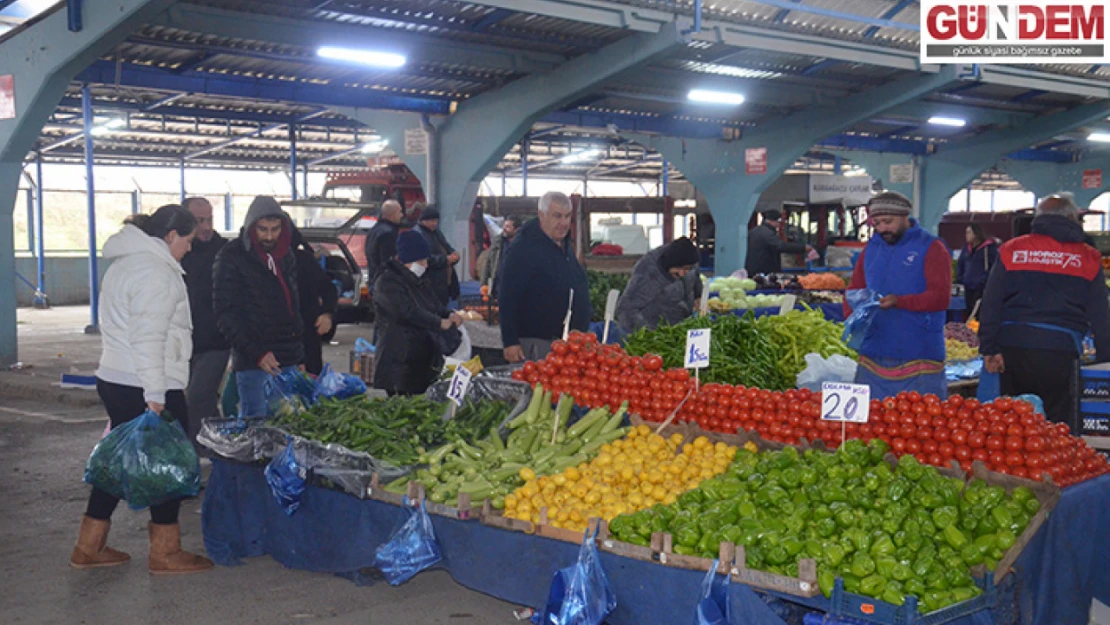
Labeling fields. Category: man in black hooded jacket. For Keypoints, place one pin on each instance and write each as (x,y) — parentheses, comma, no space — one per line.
(257,302)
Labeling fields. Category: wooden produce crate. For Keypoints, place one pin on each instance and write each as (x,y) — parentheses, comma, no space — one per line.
(416,492)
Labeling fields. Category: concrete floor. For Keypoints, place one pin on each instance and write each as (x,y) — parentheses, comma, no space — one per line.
(46,435)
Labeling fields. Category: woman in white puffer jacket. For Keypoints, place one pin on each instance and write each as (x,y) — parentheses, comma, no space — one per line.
(146,328)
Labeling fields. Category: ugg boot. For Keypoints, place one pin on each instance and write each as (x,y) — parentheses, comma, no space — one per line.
(91,550)
(166,555)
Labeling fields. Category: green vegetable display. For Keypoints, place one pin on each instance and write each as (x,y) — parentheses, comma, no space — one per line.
(540,443)
(600,285)
(766,352)
(888,533)
(393,430)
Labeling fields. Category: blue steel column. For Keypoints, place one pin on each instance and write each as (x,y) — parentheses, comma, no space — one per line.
(293,159)
(229,212)
(90,190)
(837,165)
(665,178)
(524,167)
(40,241)
(31,220)
(1044,179)
(182,182)
(136,203)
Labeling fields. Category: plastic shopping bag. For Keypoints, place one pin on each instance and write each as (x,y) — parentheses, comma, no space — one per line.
(287,477)
(865,304)
(362,346)
(411,549)
(146,461)
(713,607)
(835,368)
(580,594)
(1038,404)
(289,391)
(331,383)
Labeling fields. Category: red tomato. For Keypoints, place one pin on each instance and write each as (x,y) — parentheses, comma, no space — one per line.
(517,375)
(936,460)
(1019,471)
(908,432)
(959,437)
(914,397)
(923,420)
(976,440)
(929,446)
(1034,460)
(997,458)
(995,442)
(980,454)
(1062,429)
(931,399)
(942,434)
(971,403)
(560,348)
(1004,403)
(1015,459)
(898,445)
(913,446)
(956,400)
(1015,443)
(1023,407)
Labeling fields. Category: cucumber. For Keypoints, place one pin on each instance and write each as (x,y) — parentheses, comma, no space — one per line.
(569,461)
(602,439)
(529,413)
(495,440)
(504,473)
(562,412)
(615,421)
(586,422)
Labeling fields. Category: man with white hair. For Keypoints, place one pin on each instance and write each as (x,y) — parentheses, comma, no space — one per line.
(1042,297)
(381,241)
(539,272)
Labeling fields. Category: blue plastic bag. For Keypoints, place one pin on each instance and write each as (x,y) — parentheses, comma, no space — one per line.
(713,607)
(865,304)
(411,549)
(286,478)
(331,383)
(146,461)
(362,346)
(289,391)
(1038,403)
(580,594)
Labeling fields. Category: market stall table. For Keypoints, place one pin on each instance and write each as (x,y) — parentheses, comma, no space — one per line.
(1062,569)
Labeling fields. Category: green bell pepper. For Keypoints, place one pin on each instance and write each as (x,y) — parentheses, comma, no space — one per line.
(862,564)
(872,585)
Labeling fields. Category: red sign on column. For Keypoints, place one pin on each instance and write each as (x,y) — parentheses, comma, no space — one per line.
(1092,178)
(755,161)
(7,97)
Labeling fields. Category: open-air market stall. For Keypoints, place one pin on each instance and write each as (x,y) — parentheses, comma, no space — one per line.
(852,532)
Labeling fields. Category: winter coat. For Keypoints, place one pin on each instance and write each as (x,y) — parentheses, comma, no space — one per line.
(1047,291)
(318,295)
(145,324)
(536,280)
(441,273)
(198,265)
(765,250)
(653,295)
(974,265)
(380,247)
(495,261)
(255,310)
(407,312)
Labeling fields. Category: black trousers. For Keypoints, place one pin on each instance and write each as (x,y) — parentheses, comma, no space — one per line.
(313,352)
(1051,374)
(124,403)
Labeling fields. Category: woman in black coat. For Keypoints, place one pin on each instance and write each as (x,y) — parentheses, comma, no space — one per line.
(408,314)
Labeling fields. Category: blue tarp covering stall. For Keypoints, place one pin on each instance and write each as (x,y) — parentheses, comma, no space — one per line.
(1065,565)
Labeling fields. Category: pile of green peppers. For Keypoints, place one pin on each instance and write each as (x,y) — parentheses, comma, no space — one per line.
(888,533)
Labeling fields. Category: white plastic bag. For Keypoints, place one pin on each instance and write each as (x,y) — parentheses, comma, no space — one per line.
(835,368)
(463,353)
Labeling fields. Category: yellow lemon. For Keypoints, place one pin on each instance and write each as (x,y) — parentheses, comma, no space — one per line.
(527,474)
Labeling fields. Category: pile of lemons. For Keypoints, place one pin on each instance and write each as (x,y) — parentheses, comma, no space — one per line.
(635,472)
(956,351)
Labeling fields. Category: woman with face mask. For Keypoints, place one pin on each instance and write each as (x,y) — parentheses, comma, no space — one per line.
(146,330)
(408,314)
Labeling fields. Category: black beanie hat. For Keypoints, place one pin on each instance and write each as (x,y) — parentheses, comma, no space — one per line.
(680,253)
(773,214)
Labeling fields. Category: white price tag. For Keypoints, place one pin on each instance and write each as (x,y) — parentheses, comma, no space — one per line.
(841,401)
(703,305)
(788,303)
(697,348)
(459,383)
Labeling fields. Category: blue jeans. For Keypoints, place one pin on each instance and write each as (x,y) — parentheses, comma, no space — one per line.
(252,392)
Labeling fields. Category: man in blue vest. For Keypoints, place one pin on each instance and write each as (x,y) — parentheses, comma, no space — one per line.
(911,271)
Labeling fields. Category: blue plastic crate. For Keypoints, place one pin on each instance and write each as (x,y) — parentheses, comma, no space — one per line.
(1096,381)
(870,610)
(814,618)
(1095,418)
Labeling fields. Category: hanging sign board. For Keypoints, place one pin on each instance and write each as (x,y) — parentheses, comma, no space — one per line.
(1092,178)
(7,97)
(901,173)
(416,141)
(755,161)
(851,190)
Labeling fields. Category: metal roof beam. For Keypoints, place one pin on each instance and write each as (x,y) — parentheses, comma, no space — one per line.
(974,116)
(417,48)
(216,115)
(889,14)
(640,19)
(132,75)
(261,131)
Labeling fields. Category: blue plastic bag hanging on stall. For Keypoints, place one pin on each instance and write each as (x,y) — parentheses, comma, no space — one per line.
(580,594)
(287,479)
(713,607)
(331,383)
(411,549)
(146,461)
(1038,403)
(865,304)
(289,391)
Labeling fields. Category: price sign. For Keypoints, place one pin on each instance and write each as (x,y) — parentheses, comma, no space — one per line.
(788,303)
(697,348)
(849,403)
(459,383)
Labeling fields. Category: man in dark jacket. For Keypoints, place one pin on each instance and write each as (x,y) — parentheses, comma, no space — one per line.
(407,313)
(974,264)
(1042,297)
(257,304)
(319,300)
(665,287)
(381,241)
(210,348)
(765,247)
(539,273)
(495,257)
(442,258)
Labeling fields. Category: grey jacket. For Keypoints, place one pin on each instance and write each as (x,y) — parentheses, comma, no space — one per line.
(653,295)
(765,250)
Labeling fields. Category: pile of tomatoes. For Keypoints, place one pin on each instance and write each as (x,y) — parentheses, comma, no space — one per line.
(1007,435)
